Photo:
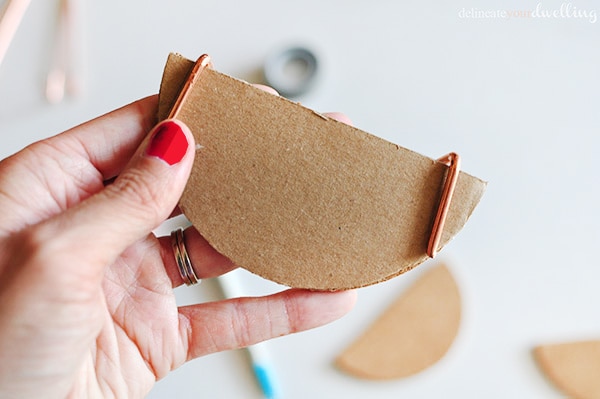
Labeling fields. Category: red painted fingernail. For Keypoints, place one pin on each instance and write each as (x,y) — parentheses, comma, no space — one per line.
(168,143)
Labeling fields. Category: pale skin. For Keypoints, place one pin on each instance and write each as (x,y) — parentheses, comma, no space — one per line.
(86,290)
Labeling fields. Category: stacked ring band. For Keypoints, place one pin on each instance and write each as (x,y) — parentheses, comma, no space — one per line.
(186,270)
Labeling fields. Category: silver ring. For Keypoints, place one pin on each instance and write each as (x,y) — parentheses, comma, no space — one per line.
(184,264)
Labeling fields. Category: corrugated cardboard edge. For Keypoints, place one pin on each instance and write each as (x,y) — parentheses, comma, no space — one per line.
(468,191)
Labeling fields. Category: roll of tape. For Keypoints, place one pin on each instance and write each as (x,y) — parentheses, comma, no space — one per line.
(291,71)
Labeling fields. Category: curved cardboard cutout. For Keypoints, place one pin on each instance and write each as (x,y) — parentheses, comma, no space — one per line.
(573,367)
(301,199)
(415,332)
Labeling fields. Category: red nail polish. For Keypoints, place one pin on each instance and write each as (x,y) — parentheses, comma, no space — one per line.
(168,143)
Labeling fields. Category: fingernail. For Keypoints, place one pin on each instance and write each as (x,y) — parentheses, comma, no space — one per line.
(168,143)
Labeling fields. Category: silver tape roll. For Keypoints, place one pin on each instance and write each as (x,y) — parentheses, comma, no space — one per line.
(291,71)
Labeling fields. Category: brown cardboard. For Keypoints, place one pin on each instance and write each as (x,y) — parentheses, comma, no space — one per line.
(412,334)
(573,367)
(302,199)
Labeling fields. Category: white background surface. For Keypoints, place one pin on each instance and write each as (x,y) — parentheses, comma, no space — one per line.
(517,98)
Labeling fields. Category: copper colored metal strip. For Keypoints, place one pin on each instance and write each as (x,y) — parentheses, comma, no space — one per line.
(201,63)
(452,160)
(11,15)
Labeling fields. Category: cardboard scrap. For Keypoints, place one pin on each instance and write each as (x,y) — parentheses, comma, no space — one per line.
(574,367)
(415,332)
(302,199)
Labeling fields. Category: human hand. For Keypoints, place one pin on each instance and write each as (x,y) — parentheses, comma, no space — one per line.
(86,290)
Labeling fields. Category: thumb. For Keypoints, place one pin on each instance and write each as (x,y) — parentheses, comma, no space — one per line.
(51,291)
(100,228)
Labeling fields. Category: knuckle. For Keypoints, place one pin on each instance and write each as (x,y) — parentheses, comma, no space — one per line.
(291,316)
(268,317)
(242,325)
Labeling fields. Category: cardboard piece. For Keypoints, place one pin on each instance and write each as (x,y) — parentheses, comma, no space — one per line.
(415,332)
(573,367)
(302,199)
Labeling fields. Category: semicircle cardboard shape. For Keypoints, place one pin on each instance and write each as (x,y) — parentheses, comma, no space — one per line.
(302,199)
(572,366)
(413,333)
